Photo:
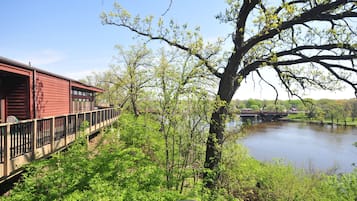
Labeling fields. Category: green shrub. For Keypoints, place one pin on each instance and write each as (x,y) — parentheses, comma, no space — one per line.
(128,165)
(120,169)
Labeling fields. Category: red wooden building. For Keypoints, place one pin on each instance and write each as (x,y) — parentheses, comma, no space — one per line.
(29,93)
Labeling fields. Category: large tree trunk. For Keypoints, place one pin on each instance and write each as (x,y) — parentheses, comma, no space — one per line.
(133,98)
(135,108)
(213,147)
(227,87)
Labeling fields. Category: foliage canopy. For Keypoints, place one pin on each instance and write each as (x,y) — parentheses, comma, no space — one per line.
(307,43)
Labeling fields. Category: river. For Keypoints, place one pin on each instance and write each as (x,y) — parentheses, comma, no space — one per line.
(312,147)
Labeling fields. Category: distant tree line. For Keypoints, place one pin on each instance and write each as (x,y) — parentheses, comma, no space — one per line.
(334,111)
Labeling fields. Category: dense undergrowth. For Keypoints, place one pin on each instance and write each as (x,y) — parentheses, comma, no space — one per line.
(128,164)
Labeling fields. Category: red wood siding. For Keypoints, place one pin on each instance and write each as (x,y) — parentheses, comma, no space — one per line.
(52,96)
(34,93)
(17,98)
(89,88)
(15,70)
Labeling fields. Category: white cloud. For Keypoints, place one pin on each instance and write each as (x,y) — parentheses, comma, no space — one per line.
(45,57)
(77,75)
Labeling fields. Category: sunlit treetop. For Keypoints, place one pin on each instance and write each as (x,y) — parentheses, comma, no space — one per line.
(307,43)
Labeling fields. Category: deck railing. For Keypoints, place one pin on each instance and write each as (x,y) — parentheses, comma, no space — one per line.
(25,141)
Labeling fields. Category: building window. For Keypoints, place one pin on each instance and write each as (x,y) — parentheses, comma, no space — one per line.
(82,100)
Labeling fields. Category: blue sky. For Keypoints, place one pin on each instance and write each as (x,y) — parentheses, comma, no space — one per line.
(66,37)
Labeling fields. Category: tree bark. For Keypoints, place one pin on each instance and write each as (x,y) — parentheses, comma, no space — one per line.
(227,87)
(133,94)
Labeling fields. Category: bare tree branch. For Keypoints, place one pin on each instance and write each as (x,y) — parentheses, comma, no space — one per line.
(168,8)
(171,43)
(295,52)
(287,87)
(310,15)
(334,73)
(271,85)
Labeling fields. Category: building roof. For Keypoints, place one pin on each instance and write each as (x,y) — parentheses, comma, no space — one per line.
(74,83)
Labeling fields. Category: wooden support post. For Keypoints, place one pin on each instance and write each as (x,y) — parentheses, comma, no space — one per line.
(95,122)
(102,118)
(53,134)
(34,139)
(89,126)
(76,119)
(97,119)
(66,129)
(97,126)
(7,146)
(106,116)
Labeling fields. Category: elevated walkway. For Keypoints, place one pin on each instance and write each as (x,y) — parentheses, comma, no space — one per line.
(25,141)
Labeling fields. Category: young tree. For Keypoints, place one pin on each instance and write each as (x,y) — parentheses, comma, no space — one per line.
(181,112)
(111,95)
(354,110)
(132,73)
(126,80)
(307,43)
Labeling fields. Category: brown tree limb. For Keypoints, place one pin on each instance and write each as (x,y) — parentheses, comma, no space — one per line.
(271,85)
(309,15)
(171,43)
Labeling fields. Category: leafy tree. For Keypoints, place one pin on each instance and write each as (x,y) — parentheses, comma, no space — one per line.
(255,107)
(104,80)
(313,111)
(252,102)
(182,111)
(354,110)
(346,108)
(275,108)
(297,104)
(126,80)
(132,75)
(307,43)
(332,110)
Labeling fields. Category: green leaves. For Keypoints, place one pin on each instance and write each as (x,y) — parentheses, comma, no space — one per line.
(125,169)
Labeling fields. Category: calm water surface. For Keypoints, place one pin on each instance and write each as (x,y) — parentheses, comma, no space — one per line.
(303,145)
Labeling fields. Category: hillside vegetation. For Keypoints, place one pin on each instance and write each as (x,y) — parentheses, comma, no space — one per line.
(128,163)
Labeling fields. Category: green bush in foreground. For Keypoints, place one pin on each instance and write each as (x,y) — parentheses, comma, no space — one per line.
(128,165)
(249,179)
(116,170)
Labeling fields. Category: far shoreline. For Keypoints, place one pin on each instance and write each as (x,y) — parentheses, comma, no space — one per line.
(322,123)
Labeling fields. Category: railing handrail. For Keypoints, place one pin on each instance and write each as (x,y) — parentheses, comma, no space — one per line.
(50,117)
(31,139)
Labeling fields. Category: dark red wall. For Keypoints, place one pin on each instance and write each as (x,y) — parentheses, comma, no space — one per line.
(52,96)
(17,97)
(52,92)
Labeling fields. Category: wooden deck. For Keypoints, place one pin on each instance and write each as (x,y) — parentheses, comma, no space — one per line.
(25,141)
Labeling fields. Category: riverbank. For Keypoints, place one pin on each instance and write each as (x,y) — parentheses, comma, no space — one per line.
(307,146)
(299,118)
(133,154)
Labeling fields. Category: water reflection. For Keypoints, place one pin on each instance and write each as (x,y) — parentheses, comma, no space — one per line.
(304,145)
